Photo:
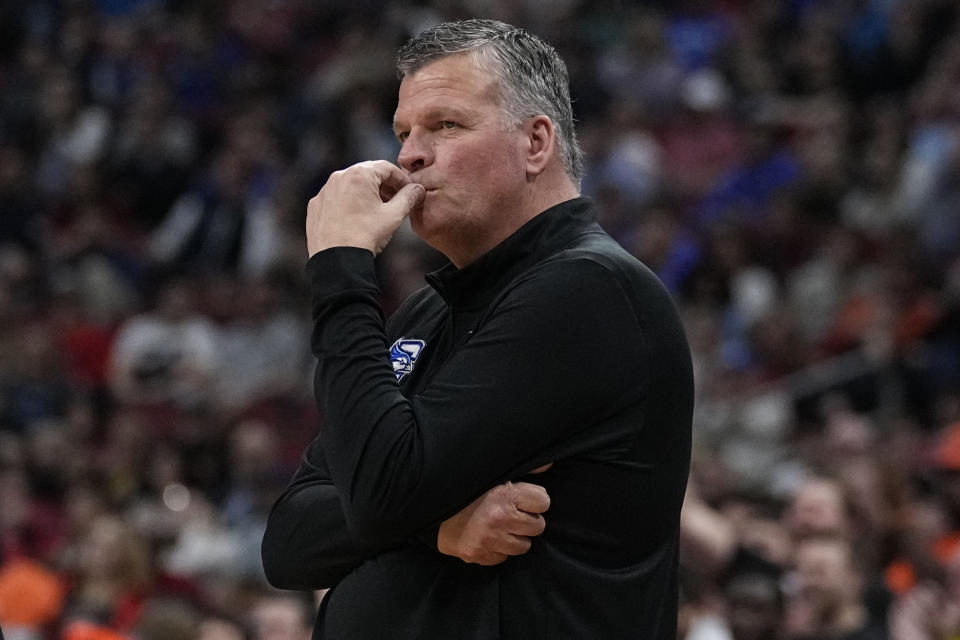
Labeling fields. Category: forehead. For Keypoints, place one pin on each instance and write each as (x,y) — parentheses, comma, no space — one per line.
(452,81)
(832,553)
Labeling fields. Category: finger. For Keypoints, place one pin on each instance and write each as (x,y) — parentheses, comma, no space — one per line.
(405,200)
(531,498)
(386,192)
(513,545)
(488,559)
(506,544)
(387,174)
(527,524)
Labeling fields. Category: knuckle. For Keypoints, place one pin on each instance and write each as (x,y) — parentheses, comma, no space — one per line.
(352,172)
(355,174)
(503,515)
(523,545)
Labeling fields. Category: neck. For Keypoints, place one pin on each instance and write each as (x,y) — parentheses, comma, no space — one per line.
(551,192)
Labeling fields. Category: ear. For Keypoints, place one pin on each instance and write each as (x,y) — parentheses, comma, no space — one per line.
(541,138)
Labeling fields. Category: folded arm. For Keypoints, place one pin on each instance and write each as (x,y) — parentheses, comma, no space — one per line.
(562,350)
(307,544)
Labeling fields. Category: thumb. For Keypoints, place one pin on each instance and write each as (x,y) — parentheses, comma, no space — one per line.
(531,498)
(406,200)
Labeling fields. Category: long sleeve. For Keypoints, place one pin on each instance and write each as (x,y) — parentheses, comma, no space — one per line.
(307,544)
(561,350)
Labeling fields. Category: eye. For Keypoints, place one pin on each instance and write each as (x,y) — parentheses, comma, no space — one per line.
(448,124)
(402,136)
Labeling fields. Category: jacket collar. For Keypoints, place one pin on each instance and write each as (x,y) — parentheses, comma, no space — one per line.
(542,236)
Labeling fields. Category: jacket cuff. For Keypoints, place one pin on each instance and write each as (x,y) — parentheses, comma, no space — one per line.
(339,269)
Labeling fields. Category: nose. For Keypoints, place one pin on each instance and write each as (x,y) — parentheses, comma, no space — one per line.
(416,153)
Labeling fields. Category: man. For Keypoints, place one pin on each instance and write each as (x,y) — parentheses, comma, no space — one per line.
(541,342)
(828,603)
(282,617)
(754,605)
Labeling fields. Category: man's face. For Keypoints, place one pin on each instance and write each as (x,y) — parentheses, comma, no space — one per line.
(754,607)
(817,509)
(455,142)
(825,574)
(278,619)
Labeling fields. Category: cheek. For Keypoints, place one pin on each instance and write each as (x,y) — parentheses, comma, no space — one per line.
(484,167)
(463,167)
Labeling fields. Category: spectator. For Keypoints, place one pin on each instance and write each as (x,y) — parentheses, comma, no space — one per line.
(259,348)
(282,617)
(165,618)
(222,225)
(77,132)
(819,508)
(37,390)
(154,151)
(219,628)
(169,355)
(31,598)
(755,606)
(929,610)
(112,577)
(828,601)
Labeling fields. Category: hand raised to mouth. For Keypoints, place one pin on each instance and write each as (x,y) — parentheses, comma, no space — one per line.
(361,206)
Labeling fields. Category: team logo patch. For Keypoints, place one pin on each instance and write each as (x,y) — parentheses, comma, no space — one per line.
(403,355)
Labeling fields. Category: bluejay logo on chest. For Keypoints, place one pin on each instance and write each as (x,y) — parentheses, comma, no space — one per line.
(404,354)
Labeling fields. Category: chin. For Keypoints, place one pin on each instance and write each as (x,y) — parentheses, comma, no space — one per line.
(416,218)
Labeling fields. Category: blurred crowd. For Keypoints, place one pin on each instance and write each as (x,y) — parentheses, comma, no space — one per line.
(789,168)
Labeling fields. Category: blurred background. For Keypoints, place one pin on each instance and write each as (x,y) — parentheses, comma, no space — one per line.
(789,168)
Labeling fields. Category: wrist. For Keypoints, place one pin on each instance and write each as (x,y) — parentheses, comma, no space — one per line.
(444,542)
(313,248)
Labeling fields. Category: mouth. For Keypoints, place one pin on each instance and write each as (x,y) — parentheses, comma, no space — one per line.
(419,181)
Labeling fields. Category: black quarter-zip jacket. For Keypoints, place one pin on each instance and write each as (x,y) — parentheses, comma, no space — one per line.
(555,346)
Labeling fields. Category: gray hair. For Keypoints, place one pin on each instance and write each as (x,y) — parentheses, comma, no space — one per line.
(533,78)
